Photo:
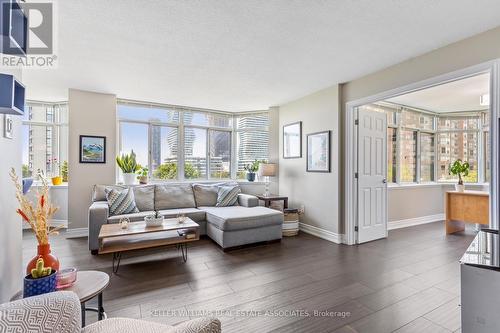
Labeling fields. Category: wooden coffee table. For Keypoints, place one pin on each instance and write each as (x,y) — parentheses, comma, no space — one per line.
(114,239)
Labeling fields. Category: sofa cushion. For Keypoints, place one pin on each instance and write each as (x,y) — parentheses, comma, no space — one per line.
(174,196)
(193,213)
(227,196)
(206,194)
(238,218)
(135,217)
(121,201)
(144,197)
(99,191)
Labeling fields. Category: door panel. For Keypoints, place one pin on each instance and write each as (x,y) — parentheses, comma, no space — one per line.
(372,171)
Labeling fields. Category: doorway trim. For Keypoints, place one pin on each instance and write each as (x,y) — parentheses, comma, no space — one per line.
(351,151)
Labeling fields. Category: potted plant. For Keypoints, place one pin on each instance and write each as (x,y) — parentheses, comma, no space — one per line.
(251,169)
(129,166)
(38,214)
(56,179)
(142,175)
(41,280)
(64,171)
(154,220)
(459,168)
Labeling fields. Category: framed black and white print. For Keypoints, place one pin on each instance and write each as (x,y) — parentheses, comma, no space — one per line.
(92,149)
(318,152)
(292,140)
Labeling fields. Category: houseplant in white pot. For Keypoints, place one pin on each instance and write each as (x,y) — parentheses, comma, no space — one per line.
(129,167)
(459,168)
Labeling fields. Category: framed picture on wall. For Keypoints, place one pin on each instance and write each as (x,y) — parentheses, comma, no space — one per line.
(318,152)
(92,149)
(292,140)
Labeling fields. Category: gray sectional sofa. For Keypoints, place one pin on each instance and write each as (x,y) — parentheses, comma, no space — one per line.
(244,223)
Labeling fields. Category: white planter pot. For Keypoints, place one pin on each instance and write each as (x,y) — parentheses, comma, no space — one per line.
(129,178)
(459,188)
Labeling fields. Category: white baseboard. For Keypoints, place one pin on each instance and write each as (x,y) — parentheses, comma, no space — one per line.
(415,221)
(322,233)
(54,223)
(77,233)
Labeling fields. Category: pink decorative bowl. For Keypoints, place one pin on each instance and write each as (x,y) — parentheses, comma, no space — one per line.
(66,277)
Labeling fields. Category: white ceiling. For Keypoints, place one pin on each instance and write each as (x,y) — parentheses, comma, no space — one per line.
(239,54)
(460,95)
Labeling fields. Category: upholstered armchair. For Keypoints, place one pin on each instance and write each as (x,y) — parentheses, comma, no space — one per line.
(60,312)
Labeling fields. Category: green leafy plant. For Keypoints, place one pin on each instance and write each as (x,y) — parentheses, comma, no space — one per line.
(253,167)
(40,271)
(142,172)
(168,170)
(64,171)
(459,168)
(128,163)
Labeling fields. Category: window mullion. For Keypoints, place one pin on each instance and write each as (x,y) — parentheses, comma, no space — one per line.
(180,150)
(209,157)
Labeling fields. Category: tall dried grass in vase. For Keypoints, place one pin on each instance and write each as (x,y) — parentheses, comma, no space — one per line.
(38,214)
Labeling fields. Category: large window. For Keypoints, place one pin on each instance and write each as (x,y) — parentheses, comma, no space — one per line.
(421,145)
(45,139)
(252,133)
(180,143)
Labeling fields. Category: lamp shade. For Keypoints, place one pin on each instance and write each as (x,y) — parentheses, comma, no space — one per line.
(268,169)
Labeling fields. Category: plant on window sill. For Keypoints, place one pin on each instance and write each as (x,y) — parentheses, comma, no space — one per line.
(459,168)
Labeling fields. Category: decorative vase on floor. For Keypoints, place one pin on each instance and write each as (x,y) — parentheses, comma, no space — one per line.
(251,176)
(49,259)
(44,285)
(129,178)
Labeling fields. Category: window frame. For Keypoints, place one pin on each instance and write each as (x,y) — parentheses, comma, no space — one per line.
(56,129)
(481,134)
(233,130)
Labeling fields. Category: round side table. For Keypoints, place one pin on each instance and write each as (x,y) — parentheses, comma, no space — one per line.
(88,285)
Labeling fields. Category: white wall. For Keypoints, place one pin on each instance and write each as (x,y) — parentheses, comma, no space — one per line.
(11,266)
(318,192)
(59,198)
(89,114)
(410,203)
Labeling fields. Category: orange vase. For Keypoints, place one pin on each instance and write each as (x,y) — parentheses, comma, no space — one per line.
(49,260)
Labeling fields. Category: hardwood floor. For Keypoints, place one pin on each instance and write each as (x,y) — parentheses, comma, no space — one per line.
(406,283)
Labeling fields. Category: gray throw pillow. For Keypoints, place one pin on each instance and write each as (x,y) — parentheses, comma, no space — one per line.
(121,201)
(227,196)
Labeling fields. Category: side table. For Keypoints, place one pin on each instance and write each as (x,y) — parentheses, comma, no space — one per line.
(88,285)
(273,197)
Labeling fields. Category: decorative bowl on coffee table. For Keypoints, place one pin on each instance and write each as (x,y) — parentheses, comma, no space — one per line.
(152,221)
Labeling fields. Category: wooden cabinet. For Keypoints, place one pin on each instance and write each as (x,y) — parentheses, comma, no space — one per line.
(466,207)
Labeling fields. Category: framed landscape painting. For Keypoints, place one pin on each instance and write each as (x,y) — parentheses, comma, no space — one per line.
(92,149)
(292,140)
(318,152)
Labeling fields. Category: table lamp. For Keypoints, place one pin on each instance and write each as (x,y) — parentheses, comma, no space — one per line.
(267,170)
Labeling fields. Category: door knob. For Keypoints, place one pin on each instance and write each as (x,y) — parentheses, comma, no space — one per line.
(384,180)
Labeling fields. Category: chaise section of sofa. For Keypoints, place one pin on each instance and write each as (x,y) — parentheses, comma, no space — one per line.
(244,223)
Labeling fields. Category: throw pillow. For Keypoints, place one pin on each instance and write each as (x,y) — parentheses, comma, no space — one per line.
(227,196)
(121,201)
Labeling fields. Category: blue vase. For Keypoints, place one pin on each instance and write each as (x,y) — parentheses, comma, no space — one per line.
(33,287)
(251,176)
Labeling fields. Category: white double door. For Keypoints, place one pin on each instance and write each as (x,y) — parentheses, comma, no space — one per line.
(372,173)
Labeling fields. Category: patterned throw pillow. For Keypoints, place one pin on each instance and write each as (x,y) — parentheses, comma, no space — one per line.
(227,196)
(121,201)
